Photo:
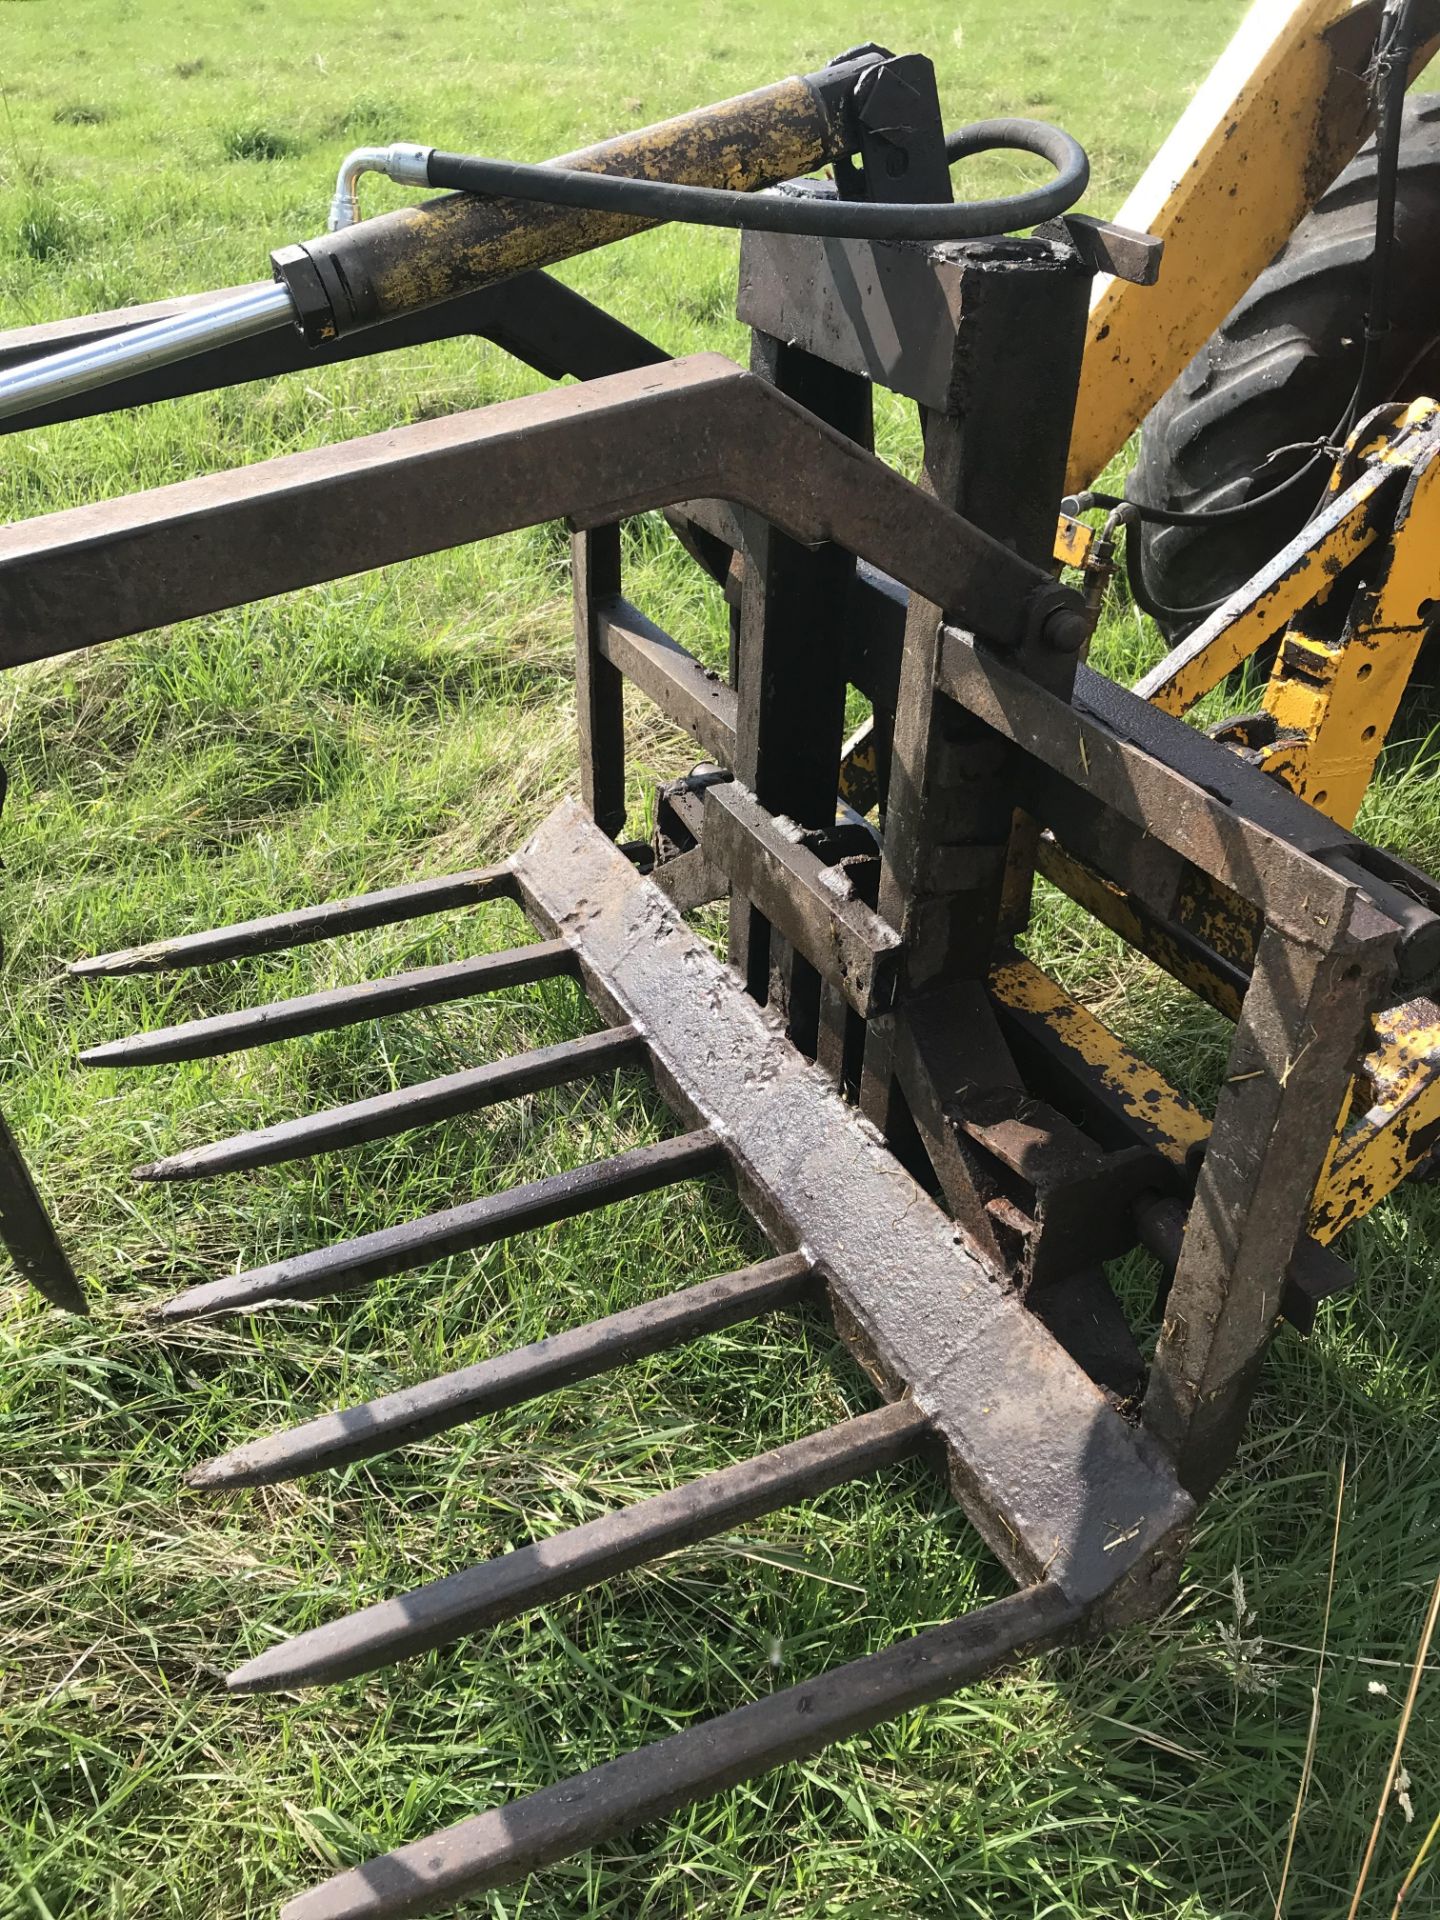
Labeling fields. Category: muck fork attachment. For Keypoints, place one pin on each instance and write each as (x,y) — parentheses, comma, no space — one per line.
(943,1148)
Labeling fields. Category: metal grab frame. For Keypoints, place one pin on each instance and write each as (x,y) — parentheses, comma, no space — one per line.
(959,1240)
(941,1148)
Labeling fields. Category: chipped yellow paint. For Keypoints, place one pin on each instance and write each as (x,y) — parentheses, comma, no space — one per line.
(1400,1128)
(1389,426)
(1073,541)
(1280,590)
(1332,699)
(1112,907)
(860,769)
(1340,695)
(1370,1156)
(1285,108)
(1172,1121)
(459,242)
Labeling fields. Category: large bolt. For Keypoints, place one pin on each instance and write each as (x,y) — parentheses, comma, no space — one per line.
(1065,629)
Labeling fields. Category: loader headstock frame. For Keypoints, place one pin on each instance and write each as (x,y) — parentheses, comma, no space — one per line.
(939,1143)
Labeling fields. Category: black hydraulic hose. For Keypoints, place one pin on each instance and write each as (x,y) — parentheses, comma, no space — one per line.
(1392,74)
(1140,592)
(799,213)
(1204,517)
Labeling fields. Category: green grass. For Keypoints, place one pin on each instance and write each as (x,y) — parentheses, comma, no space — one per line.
(414,722)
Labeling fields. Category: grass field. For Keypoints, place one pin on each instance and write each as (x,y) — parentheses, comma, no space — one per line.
(419,721)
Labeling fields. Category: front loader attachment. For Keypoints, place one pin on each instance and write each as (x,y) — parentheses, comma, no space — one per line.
(943,1148)
(1081,1507)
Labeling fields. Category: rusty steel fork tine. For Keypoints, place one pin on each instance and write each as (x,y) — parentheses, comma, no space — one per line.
(406,1107)
(29,1233)
(493,1849)
(510,1379)
(417,1243)
(483,1596)
(337,1007)
(326,921)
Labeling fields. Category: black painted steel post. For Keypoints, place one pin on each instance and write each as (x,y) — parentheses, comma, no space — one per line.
(29,1234)
(599,687)
(954,785)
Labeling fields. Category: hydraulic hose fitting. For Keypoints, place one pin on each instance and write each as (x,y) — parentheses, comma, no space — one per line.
(401,162)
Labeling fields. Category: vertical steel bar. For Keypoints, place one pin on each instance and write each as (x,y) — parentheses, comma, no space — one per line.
(599,688)
(29,1233)
(953,783)
(793,601)
(1301,1033)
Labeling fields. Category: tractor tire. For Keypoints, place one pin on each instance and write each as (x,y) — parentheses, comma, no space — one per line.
(1281,370)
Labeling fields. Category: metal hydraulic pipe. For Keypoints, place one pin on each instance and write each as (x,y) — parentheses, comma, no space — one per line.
(60,376)
(406,165)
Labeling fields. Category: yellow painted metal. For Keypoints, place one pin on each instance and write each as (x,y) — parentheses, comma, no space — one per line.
(1114,908)
(1284,109)
(1299,575)
(1338,696)
(860,769)
(1263,144)
(1073,541)
(1174,1122)
(1372,1155)
(1399,1129)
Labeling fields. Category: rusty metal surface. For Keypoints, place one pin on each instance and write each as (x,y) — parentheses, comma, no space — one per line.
(509,1379)
(423,1105)
(695,427)
(277,931)
(688,694)
(1046,1470)
(403,261)
(810,904)
(599,686)
(529,1576)
(858,965)
(1272,851)
(953,791)
(791,597)
(505,1844)
(1125,1101)
(336,1007)
(435,1237)
(1300,1036)
(941,1042)
(29,1234)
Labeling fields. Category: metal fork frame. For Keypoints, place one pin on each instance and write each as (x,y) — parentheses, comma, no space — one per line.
(983,714)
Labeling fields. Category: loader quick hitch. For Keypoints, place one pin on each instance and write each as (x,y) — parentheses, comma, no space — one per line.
(943,1148)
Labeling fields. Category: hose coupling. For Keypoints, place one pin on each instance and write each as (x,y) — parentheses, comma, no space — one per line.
(403,162)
